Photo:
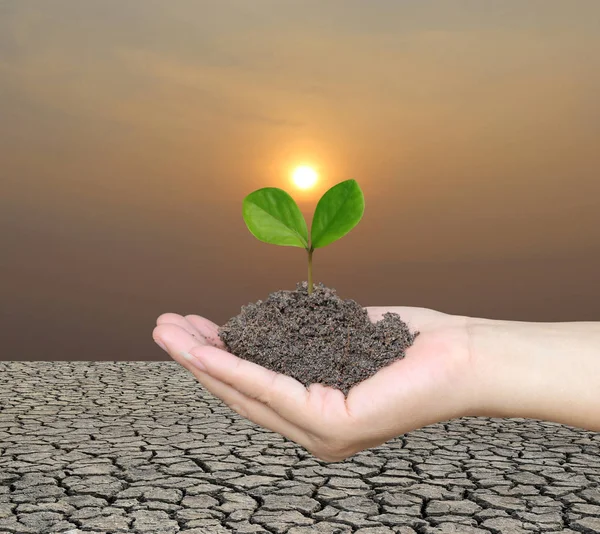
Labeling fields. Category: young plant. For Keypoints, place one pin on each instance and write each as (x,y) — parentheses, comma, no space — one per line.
(273,216)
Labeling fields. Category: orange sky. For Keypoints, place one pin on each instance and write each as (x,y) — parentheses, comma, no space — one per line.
(131,131)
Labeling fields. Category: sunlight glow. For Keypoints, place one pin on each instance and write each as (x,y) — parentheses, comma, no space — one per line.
(305,177)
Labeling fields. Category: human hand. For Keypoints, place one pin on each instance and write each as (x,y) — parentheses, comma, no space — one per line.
(433,383)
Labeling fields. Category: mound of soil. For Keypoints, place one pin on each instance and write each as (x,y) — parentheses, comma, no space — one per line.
(316,338)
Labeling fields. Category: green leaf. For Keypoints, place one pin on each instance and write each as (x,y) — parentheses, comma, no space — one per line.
(272,216)
(338,211)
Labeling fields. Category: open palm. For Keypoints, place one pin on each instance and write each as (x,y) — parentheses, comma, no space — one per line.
(431,384)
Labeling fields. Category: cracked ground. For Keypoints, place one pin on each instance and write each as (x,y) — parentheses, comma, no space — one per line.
(141,447)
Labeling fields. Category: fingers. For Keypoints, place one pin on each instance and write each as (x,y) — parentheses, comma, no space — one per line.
(273,389)
(208,329)
(181,322)
(247,407)
(314,418)
(282,393)
(199,327)
(177,340)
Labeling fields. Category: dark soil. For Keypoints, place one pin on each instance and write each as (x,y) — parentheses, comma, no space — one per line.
(316,338)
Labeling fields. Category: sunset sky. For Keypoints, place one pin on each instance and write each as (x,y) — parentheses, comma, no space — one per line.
(131,131)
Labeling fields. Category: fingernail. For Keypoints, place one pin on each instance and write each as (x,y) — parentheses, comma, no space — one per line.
(195,361)
(161,344)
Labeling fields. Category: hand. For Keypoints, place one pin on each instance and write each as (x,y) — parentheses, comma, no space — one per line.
(433,383)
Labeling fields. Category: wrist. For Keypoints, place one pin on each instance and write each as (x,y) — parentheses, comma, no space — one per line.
(547,371)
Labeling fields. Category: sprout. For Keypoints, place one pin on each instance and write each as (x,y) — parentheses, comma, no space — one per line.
(273,216)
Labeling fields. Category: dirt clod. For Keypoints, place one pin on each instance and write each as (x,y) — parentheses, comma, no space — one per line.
(316,338)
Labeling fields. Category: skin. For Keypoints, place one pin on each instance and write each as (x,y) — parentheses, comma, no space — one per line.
(458,366)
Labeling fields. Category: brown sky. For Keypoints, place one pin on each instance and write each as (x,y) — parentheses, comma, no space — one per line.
(131,131)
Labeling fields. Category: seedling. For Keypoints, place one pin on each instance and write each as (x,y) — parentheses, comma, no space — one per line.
(273,216)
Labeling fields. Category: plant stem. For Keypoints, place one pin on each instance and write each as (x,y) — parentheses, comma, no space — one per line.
(310,283)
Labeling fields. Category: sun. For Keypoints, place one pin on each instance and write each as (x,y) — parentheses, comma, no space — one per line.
(305,177)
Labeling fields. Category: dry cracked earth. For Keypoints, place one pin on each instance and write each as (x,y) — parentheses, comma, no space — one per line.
(141,447)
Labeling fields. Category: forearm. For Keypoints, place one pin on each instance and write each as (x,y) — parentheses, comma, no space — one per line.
(547,371)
